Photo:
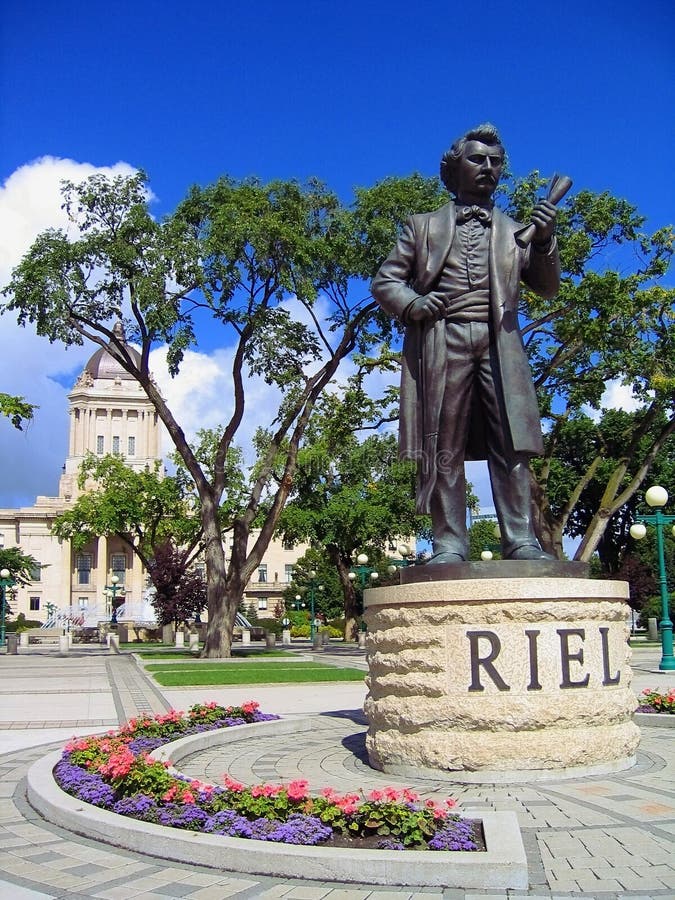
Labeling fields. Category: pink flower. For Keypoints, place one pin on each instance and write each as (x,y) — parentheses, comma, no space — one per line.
(450,803)
(297,790)
(118,764)
(376,796)
(170,794)
(233,785)
(250,706)
(187,797)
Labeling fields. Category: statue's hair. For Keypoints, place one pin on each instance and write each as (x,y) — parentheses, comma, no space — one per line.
(486,133)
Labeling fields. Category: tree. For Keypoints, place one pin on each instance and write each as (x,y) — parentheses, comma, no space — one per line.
(482,537)
(145,509)
(349,495)
(595,458)
(328,602)
(21,567)
(606,324)
(180,590)
(237,252)
(16,409)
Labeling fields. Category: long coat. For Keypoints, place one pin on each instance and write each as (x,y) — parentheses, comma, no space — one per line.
(411,270)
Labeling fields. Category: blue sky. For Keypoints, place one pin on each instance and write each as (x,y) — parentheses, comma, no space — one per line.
(348,92)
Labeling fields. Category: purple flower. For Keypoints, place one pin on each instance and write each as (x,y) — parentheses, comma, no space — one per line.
(138,806)
(146,744)
(300,829)
(82,784)
(180,815)
(454,835)
(390,844)
(228,822)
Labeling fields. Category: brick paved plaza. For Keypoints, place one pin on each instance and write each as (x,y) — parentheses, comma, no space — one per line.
(605,836)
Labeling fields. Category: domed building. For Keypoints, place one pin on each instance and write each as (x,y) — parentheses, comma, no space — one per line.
(109,413)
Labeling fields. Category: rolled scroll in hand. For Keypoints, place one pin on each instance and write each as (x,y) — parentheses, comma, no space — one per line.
(559,186)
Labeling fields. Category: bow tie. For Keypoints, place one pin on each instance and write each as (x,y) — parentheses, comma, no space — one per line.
(464,213)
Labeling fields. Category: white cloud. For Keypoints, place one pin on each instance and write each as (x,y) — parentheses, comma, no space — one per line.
(616,396)
(30,202)
(201,395)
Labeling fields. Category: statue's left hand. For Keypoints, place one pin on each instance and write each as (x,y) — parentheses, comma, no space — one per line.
(543,219)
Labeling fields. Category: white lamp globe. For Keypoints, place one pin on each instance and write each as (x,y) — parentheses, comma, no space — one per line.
(4,573)
(486,555)
(638,531)
(656,496)
(362,559)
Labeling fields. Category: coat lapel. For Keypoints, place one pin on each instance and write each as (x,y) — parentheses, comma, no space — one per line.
(438,239)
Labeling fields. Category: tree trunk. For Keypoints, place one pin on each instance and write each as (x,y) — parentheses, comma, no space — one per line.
(342,564)
(222,599)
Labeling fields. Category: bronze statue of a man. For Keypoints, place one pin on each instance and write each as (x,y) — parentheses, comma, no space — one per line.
(453,280)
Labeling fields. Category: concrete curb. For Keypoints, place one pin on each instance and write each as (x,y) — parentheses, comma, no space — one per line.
(654,720)
(503,865)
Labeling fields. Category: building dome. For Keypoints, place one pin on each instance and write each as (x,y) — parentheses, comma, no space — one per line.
(103,365)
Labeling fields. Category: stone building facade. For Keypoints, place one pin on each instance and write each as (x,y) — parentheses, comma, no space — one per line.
(109,413)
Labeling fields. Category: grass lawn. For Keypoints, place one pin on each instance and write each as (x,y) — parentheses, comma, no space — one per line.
(165,653)
(251,673)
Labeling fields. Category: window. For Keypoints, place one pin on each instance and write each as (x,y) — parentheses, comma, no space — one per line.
(262,603)
(83,566)
(289,568)
(83,602)
(99,445)
(262,573)
(116,443)
(131,446)
(36,572)
(34,604)
(118,564)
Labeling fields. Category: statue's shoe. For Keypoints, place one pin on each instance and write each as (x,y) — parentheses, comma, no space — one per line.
(529,551)
(445,556)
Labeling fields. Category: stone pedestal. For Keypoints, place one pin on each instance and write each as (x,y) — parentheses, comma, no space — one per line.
(500,678)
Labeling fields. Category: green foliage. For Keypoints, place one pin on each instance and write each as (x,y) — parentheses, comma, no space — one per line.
(652,608)
(145,508)
(21,623)
(482,537)
(16,409)
(612,320)
(20,565)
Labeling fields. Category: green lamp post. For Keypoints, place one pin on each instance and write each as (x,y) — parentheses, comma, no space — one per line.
(113,588)
(407,559)
(363,571)
(6,581)
(657,497)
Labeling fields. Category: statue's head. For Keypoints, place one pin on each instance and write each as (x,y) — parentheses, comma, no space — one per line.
(486,135)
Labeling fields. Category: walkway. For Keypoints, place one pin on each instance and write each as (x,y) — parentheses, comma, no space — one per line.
(605,837)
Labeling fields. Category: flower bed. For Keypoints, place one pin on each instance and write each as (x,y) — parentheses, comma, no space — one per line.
(115,772)
(652,701)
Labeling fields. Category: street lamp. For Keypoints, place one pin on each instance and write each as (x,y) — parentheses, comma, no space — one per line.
(313,587)
(657,497)
(6,581)
(113,588)
(363,571)
(407,559)
(488,554)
